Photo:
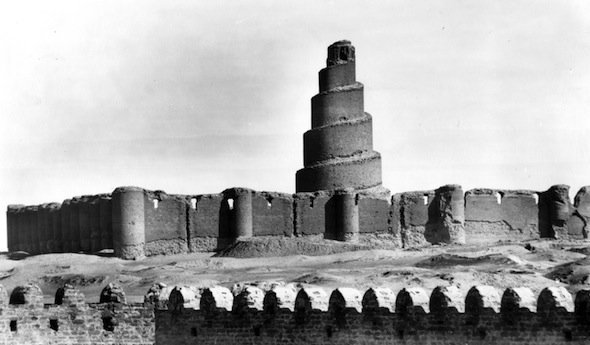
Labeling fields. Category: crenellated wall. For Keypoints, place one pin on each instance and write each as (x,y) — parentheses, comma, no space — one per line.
(136,222)
(273,313)
(25,319)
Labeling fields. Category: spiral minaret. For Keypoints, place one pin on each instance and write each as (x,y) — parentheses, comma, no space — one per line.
(338,149)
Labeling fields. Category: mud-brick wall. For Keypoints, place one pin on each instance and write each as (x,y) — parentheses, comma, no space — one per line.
(394,218)
(74,228)
(94,224)
(315,214)
(373,215)
(207,219)
(33,229)
(106,221)
(310,213)
(85,209)
(54,228)
(272,214)
(379,219)
(165,223)
(500,215)
(579,222)
(42,227)
(413,208)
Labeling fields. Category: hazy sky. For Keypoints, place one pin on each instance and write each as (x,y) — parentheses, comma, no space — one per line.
(194,97)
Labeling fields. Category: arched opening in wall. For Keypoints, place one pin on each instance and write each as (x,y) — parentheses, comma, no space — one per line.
(425,199)
(269,201)
(194,203)
(230,203)
(53,324)
(13,326)
(311,202)
(194,331)
(256,330)
(499,198)
(108,323)
(155,201)
(536,197)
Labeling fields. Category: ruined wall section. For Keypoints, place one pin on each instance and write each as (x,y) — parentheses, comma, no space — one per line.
(24,319)
(578,223)
(80,224)
(493,215)
(555,210)
(413,218)
(136,222)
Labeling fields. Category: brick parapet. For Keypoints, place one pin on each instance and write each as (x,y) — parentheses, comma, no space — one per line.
(274,313)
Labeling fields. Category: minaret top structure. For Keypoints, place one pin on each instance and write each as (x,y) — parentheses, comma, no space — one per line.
(340,52)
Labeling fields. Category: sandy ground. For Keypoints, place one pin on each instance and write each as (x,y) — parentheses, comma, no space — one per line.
(534,264)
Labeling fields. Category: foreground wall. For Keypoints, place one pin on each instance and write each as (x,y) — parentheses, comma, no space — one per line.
(312,315)
(24,319)
(136,222)
(277,314)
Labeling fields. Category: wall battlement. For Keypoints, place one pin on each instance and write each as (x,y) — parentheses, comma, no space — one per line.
(136,222)
(271,313)
(25,319)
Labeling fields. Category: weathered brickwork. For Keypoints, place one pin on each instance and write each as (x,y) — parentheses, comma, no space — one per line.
(165,223)
(338,149)
(24,319)
(154,222)
(499,215)
(276,314)
(312,315)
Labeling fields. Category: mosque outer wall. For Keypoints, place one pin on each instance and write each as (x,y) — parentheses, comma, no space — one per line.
(136,222)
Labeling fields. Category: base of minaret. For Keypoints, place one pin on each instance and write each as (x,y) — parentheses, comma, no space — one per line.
(356,172)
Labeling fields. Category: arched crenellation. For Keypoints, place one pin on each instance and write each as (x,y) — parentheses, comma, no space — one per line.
(446,302)
(412,305)
(517,304)
(481,299)
(342,302)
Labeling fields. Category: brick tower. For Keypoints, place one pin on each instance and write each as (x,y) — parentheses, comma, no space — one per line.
(338,149)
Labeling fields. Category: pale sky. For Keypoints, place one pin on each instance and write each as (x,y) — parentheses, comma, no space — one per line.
(195,97)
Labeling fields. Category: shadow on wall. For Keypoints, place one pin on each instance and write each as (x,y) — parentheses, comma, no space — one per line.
(226,217)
